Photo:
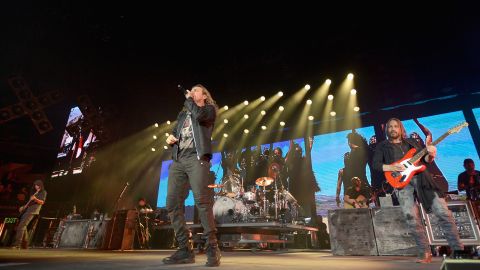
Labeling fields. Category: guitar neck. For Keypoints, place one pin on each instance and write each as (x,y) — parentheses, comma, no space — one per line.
(31,199)
(421,153)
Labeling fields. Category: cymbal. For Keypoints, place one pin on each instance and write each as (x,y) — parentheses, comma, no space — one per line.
(264,181)
(215,186)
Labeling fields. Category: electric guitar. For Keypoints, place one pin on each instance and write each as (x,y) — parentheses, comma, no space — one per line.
(23,208)
(411,162)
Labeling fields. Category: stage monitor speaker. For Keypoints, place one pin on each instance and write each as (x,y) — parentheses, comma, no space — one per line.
(351,232)
(460,265)
(392,233)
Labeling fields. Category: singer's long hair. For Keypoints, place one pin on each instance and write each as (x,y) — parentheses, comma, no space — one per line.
(209,99)
(402,128)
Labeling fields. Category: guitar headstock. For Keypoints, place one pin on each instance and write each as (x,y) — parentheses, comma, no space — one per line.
(457,128)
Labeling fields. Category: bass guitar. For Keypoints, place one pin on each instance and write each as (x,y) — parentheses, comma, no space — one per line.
(24,208)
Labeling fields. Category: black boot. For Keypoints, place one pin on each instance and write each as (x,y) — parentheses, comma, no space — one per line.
(213,255)
(182,255)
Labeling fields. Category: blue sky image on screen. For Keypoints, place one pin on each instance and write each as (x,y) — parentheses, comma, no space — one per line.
(327,159)
(476,113)
(454,149)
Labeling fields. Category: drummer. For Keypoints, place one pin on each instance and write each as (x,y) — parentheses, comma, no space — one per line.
(143,207)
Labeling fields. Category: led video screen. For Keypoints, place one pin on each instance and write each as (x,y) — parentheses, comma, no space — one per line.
(76,148)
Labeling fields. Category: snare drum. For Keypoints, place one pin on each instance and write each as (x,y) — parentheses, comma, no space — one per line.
(231,185)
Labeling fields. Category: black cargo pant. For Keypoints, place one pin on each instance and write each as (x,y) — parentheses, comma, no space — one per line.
(189,171)
(21,236)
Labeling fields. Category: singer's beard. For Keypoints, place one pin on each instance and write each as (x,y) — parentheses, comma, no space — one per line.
(394,135)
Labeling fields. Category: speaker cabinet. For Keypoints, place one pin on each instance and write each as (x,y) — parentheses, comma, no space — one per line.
(392,233)
(460,265)
(351,232)
(73,233)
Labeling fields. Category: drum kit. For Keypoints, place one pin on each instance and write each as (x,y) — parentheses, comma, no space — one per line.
(263,202)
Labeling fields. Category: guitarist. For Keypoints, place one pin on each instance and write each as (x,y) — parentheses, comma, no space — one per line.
(428,194)
(355,163)
(28,212)
(357,195)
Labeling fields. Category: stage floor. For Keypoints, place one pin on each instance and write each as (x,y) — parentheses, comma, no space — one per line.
(232,260)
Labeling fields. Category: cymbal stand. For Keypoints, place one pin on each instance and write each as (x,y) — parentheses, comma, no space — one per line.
(275,198)
(265,209)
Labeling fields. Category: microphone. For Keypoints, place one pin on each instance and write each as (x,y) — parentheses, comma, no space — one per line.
(182,89)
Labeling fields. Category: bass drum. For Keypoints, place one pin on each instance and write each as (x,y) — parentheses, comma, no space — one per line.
(228,210)
(232,185)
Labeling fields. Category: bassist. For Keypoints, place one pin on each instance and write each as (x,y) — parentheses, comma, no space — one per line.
(385,158)
(28,212)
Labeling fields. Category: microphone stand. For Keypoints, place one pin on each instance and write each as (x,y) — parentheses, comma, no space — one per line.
(115,209)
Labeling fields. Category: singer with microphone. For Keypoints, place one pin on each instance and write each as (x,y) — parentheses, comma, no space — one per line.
(28,212)
(191,153)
